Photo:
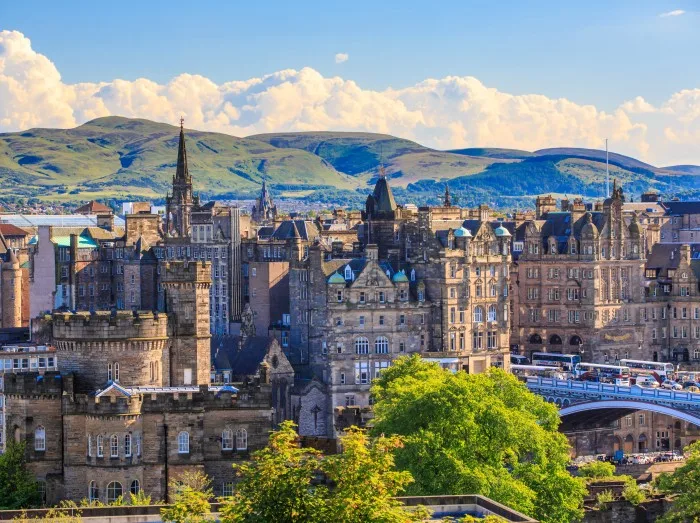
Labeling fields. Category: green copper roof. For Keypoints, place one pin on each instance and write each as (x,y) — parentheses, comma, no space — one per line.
(502,231)
(400,277)
(336,278)
(463,232)
(84,242)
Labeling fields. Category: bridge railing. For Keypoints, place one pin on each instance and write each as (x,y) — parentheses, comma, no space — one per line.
(639,393)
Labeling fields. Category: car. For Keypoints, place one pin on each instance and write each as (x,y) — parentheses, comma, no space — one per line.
(689,385)
(671,385)
(648,382)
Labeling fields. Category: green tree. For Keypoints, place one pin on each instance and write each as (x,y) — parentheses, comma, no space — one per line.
(684,485)
(597,470)
(18,488)
(364,481)
(277,484)
(192,492)
(477,433)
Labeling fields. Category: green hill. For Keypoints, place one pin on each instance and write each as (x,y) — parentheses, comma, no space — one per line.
(120,157)
(125,158)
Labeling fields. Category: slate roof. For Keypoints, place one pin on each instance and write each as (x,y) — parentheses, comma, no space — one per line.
(225,354)
(290,229)
(677,208)
(560,226)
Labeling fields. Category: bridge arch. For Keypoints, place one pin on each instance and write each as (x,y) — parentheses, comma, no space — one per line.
(690,417)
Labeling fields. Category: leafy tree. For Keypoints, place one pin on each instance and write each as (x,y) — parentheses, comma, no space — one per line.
(684,485)
(18,488)
(603,499)
(192,491)
(632,492)
(597,470)
(477,433)
(277,484)
(365,481)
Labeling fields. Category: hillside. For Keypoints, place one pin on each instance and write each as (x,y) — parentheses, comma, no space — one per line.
(119,157)
(124,158)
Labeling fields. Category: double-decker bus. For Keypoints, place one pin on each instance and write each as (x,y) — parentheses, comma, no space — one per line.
(568,362)
(616,374)
(659,370)
(526,371)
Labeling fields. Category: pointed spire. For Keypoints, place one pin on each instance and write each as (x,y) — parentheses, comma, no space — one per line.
(448,202)
(182,172)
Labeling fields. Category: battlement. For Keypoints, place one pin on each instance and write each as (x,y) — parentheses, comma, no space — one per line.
(186,272)
(35,384)
(107,326)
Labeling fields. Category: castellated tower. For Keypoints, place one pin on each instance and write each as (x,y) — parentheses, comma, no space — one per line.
(124,347)
(186,286)
(11,292)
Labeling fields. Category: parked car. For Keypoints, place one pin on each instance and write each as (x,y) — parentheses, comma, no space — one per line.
(671,385)
(648,382)
(691,386)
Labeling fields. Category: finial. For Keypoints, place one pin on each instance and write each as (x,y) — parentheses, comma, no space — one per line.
(382,172)
(182,122)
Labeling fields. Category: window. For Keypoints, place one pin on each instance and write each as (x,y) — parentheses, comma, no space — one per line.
(492,313)
(381,320)
(241,439)
(379,366)
(100,446)
(361,346)
(402,319)
(227,490)
(342,378)
(340,296)
(135,487)
(227,439)
(116,372)
(114,446)
(402,347)
(93,491)
(362,321)
(381,345)
(491,340)
(109,372)
(40,438)
(137,438)
(361,372)
(478,315)
(362,297)
(127,445)
(381,297)
(114,491)
(89,445)
(183,442)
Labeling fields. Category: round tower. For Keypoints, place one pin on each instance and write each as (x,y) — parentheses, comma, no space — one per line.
(11,292)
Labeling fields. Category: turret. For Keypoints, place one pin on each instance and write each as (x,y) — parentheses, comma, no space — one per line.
(11,291)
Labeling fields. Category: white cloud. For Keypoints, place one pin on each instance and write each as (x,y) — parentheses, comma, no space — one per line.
(341,57)
(448,112)
(675,12)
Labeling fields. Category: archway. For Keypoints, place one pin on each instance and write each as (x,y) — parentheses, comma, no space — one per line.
(555,339)
(575,340)
(536,339)
(617,443)
(628,445)
(642,443)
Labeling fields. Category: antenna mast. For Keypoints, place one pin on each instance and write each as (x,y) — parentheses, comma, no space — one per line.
(607,171)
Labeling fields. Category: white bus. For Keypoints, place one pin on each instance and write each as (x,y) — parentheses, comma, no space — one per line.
(658,369)
(568,362)
(616,374)
(526,371)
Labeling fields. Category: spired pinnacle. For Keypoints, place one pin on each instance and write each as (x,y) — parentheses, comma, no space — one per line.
(182,172)
(448,202)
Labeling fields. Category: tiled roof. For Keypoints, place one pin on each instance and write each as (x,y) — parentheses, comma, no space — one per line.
(93,207)
(8,229)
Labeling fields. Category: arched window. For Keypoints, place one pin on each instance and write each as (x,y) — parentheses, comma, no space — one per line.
(227,439)
(135,487)
(183,442)
(413,275)
(555,339)
(535,338)
(114,491)
(575,340)
(241,439)
(100,446)
(361,346)
(109,372)
(492,313)
(381,345)
(478,315)
(89,445)
(114,446)
(40,438)
(127,445)
(93,491)
(116,372)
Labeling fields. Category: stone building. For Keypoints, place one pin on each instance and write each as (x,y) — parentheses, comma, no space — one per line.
(264,210)
(14,287)
(131,405)
(579,281)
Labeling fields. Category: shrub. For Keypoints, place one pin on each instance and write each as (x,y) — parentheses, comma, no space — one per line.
(603,498)
(597,470)
(633,493)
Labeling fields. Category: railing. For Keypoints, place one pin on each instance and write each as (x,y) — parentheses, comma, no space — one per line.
(604,389)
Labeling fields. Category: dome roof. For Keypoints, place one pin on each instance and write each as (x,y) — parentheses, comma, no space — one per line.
(589,228)
(400,277)
(463,232)
(502,231)
(336,278)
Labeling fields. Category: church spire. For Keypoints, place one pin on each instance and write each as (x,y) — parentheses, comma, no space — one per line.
(182,173)
(448,202)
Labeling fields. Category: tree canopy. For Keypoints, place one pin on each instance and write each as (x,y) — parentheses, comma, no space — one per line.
(477,433)
(284,483)
(18,488)
(684,485)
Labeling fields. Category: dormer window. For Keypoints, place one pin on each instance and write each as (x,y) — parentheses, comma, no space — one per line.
(413,275)
(348,273)
(572,247)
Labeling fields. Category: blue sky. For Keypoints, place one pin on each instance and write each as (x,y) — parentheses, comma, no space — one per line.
(589,52)
(447,74)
